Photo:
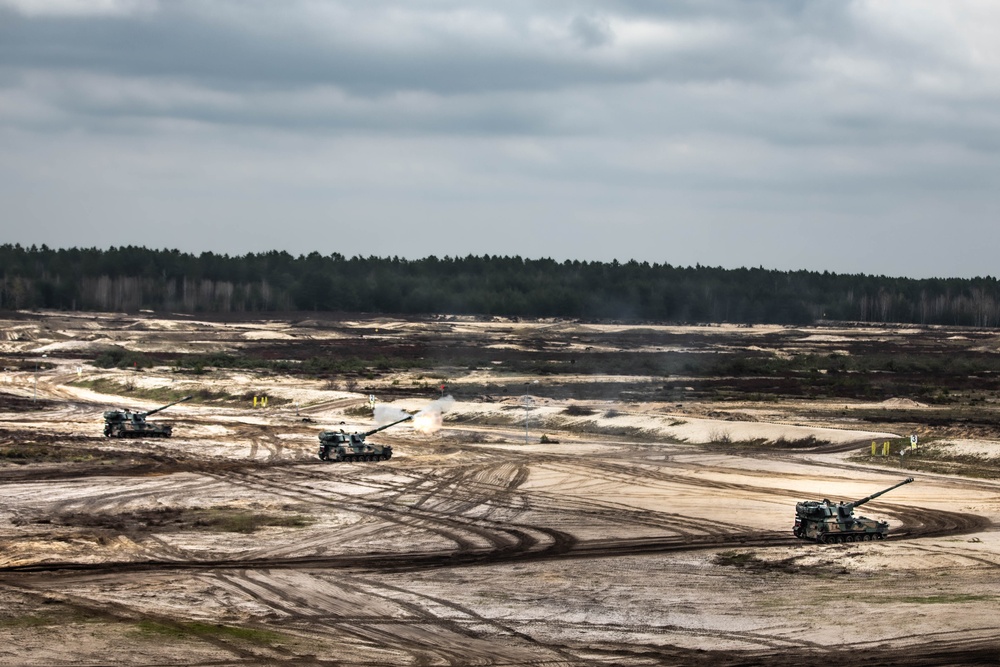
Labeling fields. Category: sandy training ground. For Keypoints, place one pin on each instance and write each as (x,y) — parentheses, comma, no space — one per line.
(652,526)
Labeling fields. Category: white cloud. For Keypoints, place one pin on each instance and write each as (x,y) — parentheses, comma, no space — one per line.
(634,34)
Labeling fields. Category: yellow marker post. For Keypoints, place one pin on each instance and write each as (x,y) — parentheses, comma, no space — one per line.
(873,448)
(263,401)
(885,448)
(255,401)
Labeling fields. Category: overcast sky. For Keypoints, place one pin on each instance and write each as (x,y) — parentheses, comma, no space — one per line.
(855,136)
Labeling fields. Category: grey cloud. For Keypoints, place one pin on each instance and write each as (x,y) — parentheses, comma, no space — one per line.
(258,50)
(257,54)
(591,31)
(684,121)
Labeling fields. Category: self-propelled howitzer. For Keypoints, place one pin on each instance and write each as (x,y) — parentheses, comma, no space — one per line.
(129,424)
(340,446)
(828,522)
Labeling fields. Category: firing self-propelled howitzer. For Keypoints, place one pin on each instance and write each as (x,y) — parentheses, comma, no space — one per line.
(340,446)
(827,522)
(130,424)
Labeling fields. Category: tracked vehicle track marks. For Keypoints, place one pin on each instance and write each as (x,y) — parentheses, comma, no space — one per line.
(110,611)
(476,539)
(477,510)
(460,504)
(384,616)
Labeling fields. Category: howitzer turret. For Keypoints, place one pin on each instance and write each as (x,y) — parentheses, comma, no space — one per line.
(164,407)
(340,446)
(382,428)
(849,507)
(826,522)
(133,424)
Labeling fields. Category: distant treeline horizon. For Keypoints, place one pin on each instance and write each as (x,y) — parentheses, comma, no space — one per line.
(130,278)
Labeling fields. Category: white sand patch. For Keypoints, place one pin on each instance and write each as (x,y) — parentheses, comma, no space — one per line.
(549,416)
(963,447)
(76,346)
(184,324)
(267,335)
(716,430)
(901,403)
(825,338)
(698,430)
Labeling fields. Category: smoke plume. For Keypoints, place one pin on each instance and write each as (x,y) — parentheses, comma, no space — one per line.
(386,414)
(429,420)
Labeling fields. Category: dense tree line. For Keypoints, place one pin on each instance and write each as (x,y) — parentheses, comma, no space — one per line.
(134,278)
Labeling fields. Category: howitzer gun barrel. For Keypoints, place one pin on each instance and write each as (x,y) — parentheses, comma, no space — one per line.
(864,500)
(382,428)
(164,407)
